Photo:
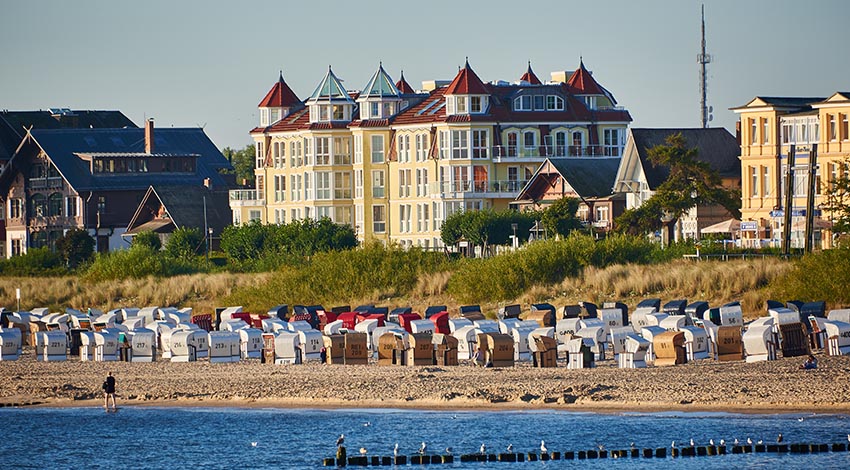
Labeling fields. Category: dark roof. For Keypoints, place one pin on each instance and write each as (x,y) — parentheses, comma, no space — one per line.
(185,207)
(716,146)
(13,124)
(589,177)
(788,101)
(63,145)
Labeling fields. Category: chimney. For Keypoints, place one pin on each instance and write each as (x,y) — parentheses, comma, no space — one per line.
(149,136)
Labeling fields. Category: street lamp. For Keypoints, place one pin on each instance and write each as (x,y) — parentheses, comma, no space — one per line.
(515,241)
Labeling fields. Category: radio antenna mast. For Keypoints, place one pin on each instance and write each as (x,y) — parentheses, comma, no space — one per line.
(703,59)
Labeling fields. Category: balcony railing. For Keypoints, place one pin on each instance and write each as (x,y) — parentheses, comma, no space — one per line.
(482,188)
(246,197)
(505,151)
(42,183)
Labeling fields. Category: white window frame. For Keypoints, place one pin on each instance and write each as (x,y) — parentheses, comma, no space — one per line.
(324,185)
(358,149)
(377,150)
(378,184)
(379,224)
(323,151)
(460,145)
(358,184)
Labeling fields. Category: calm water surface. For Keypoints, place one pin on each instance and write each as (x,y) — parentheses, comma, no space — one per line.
(221,438)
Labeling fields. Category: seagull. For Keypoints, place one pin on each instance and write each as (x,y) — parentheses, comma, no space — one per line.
(422,448)
(253,444)
(711,442)
(848,438)
(749,441)
(601,447)
(367,424)
(449,450)
(363,451)
(723,442)
(510,448)
(543,447)
(760,442)
(673,444)
(340,440)
(395,450)
(454,416)
(692,442)
(483,449)
(801,419)
(735,442)
(632,446)
(779,438)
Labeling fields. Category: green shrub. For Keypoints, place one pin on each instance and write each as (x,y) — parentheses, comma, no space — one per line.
(185,243)
(818,276)
(148,239)
(35,262)
(76,247)
(137,262)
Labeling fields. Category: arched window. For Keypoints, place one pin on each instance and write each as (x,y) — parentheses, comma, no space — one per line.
(54,204)
(560,144)
(578,143)
(513,143)
(38,205)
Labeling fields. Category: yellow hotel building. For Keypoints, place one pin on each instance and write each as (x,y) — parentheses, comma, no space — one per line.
(394,162)
(769,126)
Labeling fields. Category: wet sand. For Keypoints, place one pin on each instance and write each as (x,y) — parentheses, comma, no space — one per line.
(773,387)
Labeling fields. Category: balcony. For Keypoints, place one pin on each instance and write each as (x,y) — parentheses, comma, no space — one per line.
(476,189)
(246,198)
(505,153)
(46,183)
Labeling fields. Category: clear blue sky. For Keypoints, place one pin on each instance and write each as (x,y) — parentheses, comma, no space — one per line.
(209,63)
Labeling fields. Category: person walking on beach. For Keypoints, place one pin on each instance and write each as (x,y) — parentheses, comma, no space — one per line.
(109,392)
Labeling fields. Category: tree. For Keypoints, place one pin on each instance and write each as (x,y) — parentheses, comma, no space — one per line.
(75,247)
(185,243)
(243,162)
(149,239)
(486,227)
(838,201)
(560,216)
(691,183)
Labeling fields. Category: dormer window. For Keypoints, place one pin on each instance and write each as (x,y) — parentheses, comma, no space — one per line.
(462,104)
(590,102)
(554,103)
(275,115)
(475,105)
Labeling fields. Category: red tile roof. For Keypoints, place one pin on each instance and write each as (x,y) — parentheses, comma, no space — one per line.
(280,96)
(583,83)
(466,82)
(529,76)
(403,86)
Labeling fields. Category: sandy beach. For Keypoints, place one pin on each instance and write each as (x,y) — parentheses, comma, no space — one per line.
(776,386)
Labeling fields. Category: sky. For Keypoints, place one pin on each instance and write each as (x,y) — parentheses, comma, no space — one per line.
(193,63)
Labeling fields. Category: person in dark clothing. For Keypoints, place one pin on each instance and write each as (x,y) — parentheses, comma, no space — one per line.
(109,392)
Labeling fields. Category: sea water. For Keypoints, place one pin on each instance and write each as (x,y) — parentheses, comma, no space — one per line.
(138,437)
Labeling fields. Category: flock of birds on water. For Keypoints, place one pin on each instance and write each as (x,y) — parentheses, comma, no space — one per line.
(543,449)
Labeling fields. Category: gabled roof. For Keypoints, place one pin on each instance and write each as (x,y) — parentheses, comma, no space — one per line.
(716,146)
(280,96)
(466,82)
(589,177)
(583,83)
(184,206)
(13,124)
(63,146)
(529,76)
(403,86)
(380,86)
(779,102)
(837,97)
(330,89)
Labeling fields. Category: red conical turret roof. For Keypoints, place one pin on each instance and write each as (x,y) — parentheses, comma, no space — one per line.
(582,82)
(529,76)
(403,86)
(280,96)
(467,83)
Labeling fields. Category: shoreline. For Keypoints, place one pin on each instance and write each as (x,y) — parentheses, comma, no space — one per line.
(593,407)
(772,387)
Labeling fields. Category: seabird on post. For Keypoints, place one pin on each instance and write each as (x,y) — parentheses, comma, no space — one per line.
(510,448)
(395,450)
(422,448)
(779,438)
(482,449)
(543,448)
(340,440)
